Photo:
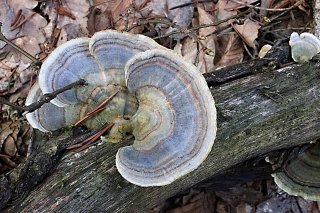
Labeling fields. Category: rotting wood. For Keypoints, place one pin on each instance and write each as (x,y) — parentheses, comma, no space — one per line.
(257,114)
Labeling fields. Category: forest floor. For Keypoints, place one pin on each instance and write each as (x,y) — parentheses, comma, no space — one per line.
(209,34)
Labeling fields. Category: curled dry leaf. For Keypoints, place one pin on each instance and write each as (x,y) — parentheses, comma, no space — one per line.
(70,15)
(188,49)
(223,11)
(8,137)
(237,4)
(181,16)
(229,49)
(281,205)
(248,32)
(23,26)
(207,44)
(13,75)
(196,202)
(201,50)
(113,14)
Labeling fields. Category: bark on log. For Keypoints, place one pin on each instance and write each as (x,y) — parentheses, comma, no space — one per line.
(256,114)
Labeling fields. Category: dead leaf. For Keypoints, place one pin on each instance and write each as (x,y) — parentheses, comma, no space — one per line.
(229,50)
(202,202)
(66,14)
(248,32)
(223,11)
(8,136)
(265,4)
(24,27)
(114,14)
(238,4)
(238,194)
(281,205)
(207,44)
(181,16)
(189,50)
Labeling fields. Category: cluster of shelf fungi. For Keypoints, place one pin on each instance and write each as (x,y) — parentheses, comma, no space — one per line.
(160,99)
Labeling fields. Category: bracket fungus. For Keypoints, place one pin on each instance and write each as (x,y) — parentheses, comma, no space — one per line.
(301,176)
(304,47)
(163,101)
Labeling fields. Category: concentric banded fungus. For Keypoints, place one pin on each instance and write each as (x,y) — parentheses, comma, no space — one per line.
(169,105)
(175,125)
(304,47)
(50,116)
(301,176)
(100,61)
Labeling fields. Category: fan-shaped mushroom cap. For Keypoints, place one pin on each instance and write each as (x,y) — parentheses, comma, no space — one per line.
(304,47)
(49,117)
(301,176)
(175,125)
(99,60)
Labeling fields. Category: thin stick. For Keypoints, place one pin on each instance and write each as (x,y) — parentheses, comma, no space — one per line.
(97,109)
(15,106)
(268,9)
(23,52)
(45,99)
(188,4)
(49,96)
(87,142)
(155,20)
(205,25)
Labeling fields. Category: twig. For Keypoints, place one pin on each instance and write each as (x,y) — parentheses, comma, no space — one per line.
(45,98)
(268,9)
(19,49)
(285,11)
(89,141)
(155,20)
(15,106)
(190,3)
(222,21)
(203,25)
(97,109)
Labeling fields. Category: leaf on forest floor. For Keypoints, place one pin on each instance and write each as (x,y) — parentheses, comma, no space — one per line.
(229,49)
(181,16)
(196,202)
(188,49)
(70,15)
(223,11)
(238,4)
(248,31)
(207,47)
(8,137)
(283,205)
(265,4)
(23,27)
(111,14)
(13,75)
(247,193)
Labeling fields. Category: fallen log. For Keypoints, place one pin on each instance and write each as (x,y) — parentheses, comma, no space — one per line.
(257,113)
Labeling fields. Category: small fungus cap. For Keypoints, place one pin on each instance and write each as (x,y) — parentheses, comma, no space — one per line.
(175,125)
(304,47)
(301,176)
